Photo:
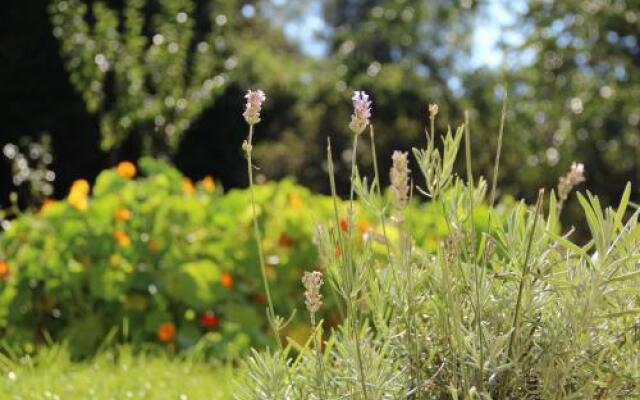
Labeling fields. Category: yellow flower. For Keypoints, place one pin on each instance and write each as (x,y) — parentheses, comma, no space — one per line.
(187,186)
(123,214)
(209,184)
(122,238)
(296,201)
(126,169)
(364,227)
(78,194)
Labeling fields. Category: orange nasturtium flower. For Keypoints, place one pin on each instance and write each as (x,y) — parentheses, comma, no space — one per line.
(187,186)
(123,214)
(364,227)
(154,246)
(166,332)
(209,184)
(296,201)
(46,205)
(4,270)
(78,194)
(344,225)
(122,238)
(126,169)
(226,280)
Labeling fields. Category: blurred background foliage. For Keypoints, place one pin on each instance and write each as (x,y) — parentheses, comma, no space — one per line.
(149,257)
(118,79)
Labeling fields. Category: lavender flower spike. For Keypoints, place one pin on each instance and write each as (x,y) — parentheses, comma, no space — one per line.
(255,98)
(574,177)
(361,112)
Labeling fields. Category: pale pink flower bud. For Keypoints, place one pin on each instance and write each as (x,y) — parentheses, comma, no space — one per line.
(574,177)
(361,112)
(312,282)
(255,98)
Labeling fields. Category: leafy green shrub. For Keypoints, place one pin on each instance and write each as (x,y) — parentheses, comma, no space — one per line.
(517,311)
(156,258)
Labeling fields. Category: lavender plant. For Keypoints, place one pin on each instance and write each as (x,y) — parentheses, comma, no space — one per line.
(519,311)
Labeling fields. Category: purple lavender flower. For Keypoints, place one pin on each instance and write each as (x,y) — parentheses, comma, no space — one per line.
(255,98)
(361,112)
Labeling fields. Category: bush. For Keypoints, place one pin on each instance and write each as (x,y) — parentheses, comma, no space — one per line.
(159,259)
(518,311)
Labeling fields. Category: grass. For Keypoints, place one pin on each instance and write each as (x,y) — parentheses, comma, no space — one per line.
(113,375)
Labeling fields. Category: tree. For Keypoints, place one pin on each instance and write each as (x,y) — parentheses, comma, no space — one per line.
(144,69)
(575,97)
(406,54)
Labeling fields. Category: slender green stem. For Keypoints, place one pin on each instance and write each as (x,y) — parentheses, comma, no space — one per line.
(525,272)
(271,316)
(376,180)
(336,212)
(496,164)
(319,361)
(352,268)
(477,273)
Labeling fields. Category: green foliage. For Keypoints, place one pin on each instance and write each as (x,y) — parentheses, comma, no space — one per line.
(573,86)
(138,254)
(403,52)
(30,168)
(156,75)
(512,311)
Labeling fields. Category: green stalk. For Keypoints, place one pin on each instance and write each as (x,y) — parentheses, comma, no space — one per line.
(258,235)
(318,351)
(336,213)
(350,261)
(376,180)
(525,272)
(496,164)
(470,186)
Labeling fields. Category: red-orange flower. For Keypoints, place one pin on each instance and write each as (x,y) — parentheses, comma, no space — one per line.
(336,251)
(209,184)
(285,241)
(344,225)
(166,332)
(259,299)
(123,214)
(209,320)
(226,280)
(126,169)
(4,270)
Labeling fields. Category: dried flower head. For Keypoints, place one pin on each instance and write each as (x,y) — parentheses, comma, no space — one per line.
(399,176)
(574,177)
(361,112)
(312,282)
(255,98)
(433,110)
